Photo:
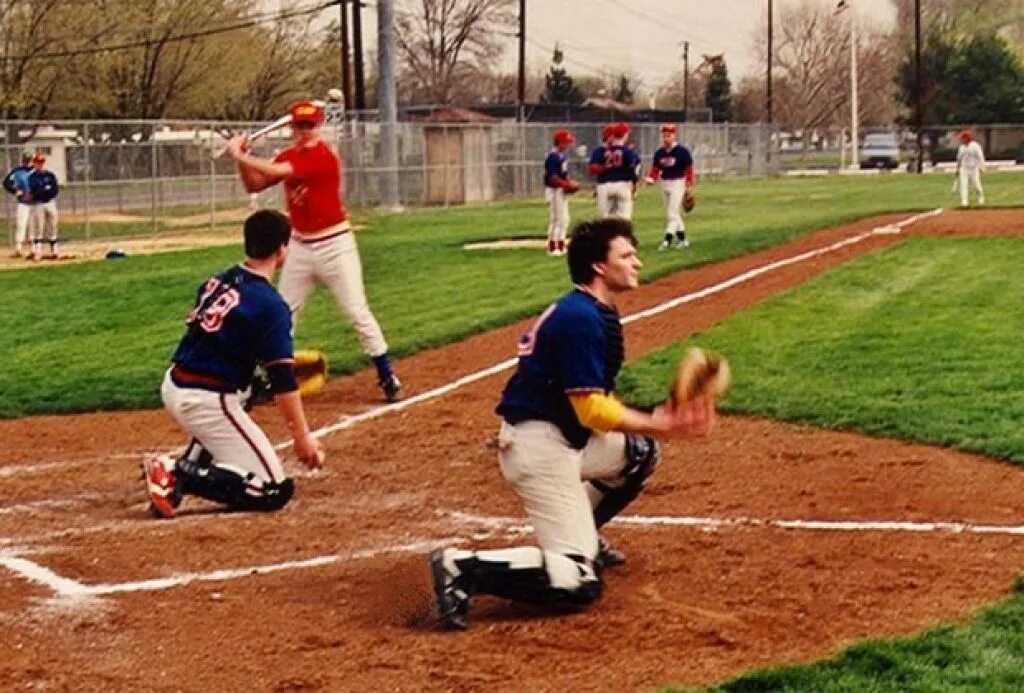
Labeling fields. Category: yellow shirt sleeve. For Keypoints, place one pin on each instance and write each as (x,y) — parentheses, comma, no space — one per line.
(597,411)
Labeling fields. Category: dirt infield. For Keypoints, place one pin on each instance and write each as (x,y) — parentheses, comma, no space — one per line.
(331,593)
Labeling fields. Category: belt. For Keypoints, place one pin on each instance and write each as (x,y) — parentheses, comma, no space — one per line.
(331,232)
(186,378)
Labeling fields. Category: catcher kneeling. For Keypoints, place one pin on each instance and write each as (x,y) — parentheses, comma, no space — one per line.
(573,453)
(239,321)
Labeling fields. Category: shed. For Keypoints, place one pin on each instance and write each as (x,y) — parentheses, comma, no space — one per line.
(54,143)
(460,158)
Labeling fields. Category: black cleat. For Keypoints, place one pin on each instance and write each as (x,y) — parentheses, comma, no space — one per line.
(392,388)
(452,602)
(607,555)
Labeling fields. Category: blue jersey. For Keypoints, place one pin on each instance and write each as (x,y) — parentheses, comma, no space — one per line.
(673,162)
(43,186)
(17,181)
(620,163)
(555,166)
(574,347)
(239,321)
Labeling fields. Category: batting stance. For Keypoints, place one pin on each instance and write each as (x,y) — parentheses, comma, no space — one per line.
(970,160)
(674,166)
(323,246)
(558,185)
(239,321)
(16,183)
(614,166)
(572,452)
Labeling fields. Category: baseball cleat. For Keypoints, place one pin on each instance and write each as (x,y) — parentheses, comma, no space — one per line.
(161,485)
(392,388)
(681,244)
(607,555)
(665,245)
(452,602)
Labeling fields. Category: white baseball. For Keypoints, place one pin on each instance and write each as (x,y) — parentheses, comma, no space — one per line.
(334,94)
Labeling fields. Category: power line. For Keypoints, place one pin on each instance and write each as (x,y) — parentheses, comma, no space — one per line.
(171,39)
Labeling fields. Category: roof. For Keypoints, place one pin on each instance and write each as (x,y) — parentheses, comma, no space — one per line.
(456,115)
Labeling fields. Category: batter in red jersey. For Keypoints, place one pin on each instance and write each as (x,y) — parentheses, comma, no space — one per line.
(323,246)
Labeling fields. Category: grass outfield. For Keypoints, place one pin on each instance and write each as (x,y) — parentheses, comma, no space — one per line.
(98,336)
(918,341)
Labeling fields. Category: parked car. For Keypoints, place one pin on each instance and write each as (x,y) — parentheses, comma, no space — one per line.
(880,150)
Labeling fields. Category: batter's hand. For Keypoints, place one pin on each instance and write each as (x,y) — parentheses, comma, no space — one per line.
(238,146)
(310,451)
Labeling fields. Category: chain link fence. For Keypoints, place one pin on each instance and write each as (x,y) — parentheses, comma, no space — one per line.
(150,176)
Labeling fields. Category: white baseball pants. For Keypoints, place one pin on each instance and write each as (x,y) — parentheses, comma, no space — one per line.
(220,424)
(43,220)
(334,262)
(615,200)
(672,195)
(970,176)
(558,213)
(550,478)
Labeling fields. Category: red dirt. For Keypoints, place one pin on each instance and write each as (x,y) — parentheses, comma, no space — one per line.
(691,606)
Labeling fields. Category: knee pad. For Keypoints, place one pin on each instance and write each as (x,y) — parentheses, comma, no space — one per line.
(642,455)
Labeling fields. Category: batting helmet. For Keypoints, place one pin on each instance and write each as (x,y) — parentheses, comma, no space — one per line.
(965,136)
(307,112)
(563,137)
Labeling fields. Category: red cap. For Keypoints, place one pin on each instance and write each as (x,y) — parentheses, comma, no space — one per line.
(669,127)
(563,137)
(619,130)
(966,136)
(38,158)
(307,112)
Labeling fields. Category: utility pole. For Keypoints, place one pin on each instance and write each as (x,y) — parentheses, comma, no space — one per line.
(918,108)
(387,100)
(768,87)
(686,81)
(346,76)
(521,92)
(357,49)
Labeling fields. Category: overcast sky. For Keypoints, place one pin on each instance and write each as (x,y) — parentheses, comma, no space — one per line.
(645,37)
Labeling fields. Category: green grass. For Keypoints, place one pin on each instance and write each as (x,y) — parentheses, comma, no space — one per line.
(913,342)
(986,654)
(98,336)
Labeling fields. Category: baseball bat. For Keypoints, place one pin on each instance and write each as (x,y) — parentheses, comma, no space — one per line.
(262,132)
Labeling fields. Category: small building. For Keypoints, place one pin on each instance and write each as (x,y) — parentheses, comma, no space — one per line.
(460,160)
(54,143)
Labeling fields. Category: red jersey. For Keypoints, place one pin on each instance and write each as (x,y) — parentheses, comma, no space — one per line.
(313,190)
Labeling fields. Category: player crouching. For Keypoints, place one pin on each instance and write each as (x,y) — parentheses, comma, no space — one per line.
(239,321)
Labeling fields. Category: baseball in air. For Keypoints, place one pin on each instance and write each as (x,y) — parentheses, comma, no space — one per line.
(335,94)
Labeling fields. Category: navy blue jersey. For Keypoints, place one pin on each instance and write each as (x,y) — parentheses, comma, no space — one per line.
(239,321)
(620,163)
(673,162)
(574,347)
(555,166)
(42,185)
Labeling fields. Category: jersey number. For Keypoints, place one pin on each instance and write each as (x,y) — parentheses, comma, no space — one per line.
(210,314)
(613,158)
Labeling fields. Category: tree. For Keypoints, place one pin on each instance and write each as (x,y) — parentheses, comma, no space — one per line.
(442,44)
(558,85)
(719,99)
(625,93)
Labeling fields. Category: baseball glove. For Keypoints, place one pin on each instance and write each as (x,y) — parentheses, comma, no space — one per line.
(310,371)
(572,188)
(689,201)
(701,373)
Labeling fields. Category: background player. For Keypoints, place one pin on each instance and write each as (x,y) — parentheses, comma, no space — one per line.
(323,246)
(970,160)
(614,166)
(571,451)
(16,183)
(239,321)
(673,164)
(558,185)
(42,224)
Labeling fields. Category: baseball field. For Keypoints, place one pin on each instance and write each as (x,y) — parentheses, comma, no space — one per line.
(855,522)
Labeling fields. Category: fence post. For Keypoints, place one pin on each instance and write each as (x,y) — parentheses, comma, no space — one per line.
(154,170)
(207,153)
(88,178)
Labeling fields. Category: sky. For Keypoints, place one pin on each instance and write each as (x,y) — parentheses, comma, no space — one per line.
(645,37)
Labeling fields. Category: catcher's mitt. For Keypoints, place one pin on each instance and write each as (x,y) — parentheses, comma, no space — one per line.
(689,201)
(310,371)
(572,188)
(701,373)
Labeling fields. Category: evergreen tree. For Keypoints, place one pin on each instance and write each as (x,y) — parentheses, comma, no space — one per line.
(625,92)
(558,85)
(719,96)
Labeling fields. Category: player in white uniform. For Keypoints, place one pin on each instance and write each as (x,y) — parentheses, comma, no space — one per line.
(614,165)
(673,164)
(558,185)
(970,160)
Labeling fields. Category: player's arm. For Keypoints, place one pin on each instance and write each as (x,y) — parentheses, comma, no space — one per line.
(276,352)
(256,174)
(601,412)
(597,166)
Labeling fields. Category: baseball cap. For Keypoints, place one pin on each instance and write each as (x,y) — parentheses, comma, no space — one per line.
(669,127)
(564,137)
(26,155)
(965,136)
(38,158)
(619,129)
(307,112)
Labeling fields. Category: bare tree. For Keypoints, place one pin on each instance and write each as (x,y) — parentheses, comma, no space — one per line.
(442,43)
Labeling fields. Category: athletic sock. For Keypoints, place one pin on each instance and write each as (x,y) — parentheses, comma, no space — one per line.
(383,364)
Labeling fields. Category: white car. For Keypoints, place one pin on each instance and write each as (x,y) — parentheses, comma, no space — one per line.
(880,150)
